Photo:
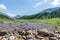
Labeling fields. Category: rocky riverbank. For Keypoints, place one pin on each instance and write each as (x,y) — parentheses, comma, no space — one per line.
(13,31)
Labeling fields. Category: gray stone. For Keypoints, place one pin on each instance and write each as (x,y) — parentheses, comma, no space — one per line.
(53,38)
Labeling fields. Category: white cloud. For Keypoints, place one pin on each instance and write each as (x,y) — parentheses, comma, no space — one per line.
(2,6)
(40,3)
(56,2)
(37,4)
(11,15)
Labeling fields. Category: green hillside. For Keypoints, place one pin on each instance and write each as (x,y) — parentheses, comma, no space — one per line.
(45,14)
(5,16)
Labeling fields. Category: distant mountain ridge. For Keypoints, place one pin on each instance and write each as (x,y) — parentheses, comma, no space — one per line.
(47,13)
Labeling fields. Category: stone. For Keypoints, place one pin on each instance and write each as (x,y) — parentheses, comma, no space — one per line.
(5,39)
(3,33)
(40,38)
(19,39)
(11,37)
(53,38)
(30,37)
(43,32)
(30,31)
(1,37)
(52,35)
(58,36)
(46,38)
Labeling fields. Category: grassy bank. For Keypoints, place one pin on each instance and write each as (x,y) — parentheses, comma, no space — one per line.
(53,21)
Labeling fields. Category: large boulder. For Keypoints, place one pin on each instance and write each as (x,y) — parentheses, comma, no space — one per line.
(43,32)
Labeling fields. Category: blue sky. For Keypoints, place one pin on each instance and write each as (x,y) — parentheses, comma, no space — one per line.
(26,7)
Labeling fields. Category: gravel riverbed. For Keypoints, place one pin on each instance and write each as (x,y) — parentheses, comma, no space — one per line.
(28,31)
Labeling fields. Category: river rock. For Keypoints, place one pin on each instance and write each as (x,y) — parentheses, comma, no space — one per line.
(43,32)
(30,37)
(53,38)
(52,35)
(40,38)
